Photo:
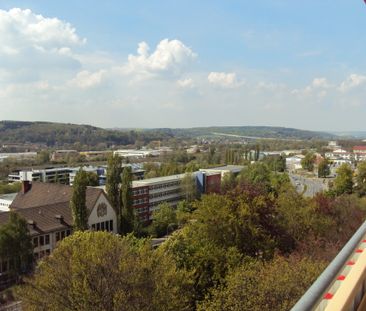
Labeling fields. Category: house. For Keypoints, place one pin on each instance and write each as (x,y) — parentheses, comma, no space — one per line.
(46,208)
(359,153)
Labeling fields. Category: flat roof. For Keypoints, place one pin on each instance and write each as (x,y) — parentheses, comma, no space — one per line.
(8,196)
(156,180)
(224,168)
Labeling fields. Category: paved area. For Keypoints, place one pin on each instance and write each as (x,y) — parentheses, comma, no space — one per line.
(311,185)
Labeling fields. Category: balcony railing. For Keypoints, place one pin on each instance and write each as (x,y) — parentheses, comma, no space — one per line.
(342,285)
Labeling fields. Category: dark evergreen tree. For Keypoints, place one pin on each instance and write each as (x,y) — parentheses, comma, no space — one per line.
(127,213)
(15,244)
(114,171)
(78,201)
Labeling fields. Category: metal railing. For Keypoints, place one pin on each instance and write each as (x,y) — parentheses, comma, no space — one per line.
(318,296)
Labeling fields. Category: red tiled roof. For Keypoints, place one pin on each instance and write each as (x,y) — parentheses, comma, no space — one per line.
(359,148)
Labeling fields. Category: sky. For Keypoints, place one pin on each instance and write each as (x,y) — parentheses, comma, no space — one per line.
(146,64)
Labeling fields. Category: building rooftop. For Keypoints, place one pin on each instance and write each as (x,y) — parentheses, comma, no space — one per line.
(8,196)
(41,194)
(231,168)
(145,182)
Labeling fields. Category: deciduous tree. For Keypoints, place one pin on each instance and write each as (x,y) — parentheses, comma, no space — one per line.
(101,271)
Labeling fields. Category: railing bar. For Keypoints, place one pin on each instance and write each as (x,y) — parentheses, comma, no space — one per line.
(314,293)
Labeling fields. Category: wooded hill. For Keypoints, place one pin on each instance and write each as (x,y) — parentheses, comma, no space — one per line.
(60,134)
(63,134)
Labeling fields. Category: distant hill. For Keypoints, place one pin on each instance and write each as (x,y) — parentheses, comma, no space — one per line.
(255,132)
(65,134)
(61,134)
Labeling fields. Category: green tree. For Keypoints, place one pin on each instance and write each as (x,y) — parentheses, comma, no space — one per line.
(113,180)
(101,271)
(189,187)
(361,178)
(92,179)
(164,218)
(43,157)
(228,182)
(15,244)
(323,169)
(256,173)
(127,212)
(276,163)
(343,183)
(78,201)
(258,286)
(308,161)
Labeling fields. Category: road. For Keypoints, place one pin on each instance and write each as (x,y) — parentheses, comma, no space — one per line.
(312,185)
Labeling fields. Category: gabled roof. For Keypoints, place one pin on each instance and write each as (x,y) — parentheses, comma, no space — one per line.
(45,218)
(42,194)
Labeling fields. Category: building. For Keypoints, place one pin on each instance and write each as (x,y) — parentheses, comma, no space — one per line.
(61,155)
(95,155)
(148,194)
(225,169)
(294,163)
(208,182)
(6,200)
(46,209)
(20,156)
(339,154)
(359,153)
(48,175)
(141,153)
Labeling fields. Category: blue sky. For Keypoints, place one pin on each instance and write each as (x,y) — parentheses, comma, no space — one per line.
(185,63)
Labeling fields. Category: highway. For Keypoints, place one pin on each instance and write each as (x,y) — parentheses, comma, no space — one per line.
(311,185)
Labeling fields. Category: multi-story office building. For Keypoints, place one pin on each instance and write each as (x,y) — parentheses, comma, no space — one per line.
(49,175)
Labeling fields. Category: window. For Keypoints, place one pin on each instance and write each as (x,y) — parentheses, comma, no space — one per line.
(107,225)
(63,235)
(102,226)
(68,232)
(111,225)
(47,239)
(57,236)
(41,240)
(98,226)
(35,242)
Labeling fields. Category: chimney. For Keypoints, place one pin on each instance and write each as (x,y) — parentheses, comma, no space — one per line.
(32,223)
(26,186)
(60,218)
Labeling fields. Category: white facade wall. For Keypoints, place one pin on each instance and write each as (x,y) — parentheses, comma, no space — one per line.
(94,218)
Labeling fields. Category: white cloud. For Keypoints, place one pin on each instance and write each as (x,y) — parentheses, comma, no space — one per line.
(186,83)
(169,56)
(85,79)
(22,28)
(223,79)
(354,80)
(320,83)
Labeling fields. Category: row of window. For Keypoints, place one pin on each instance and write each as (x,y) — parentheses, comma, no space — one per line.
(140,191)
(140,201)
(60,235)
(143,210)
(165,193)
(103,226)
(175,199)
(41,240)
(166,185)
